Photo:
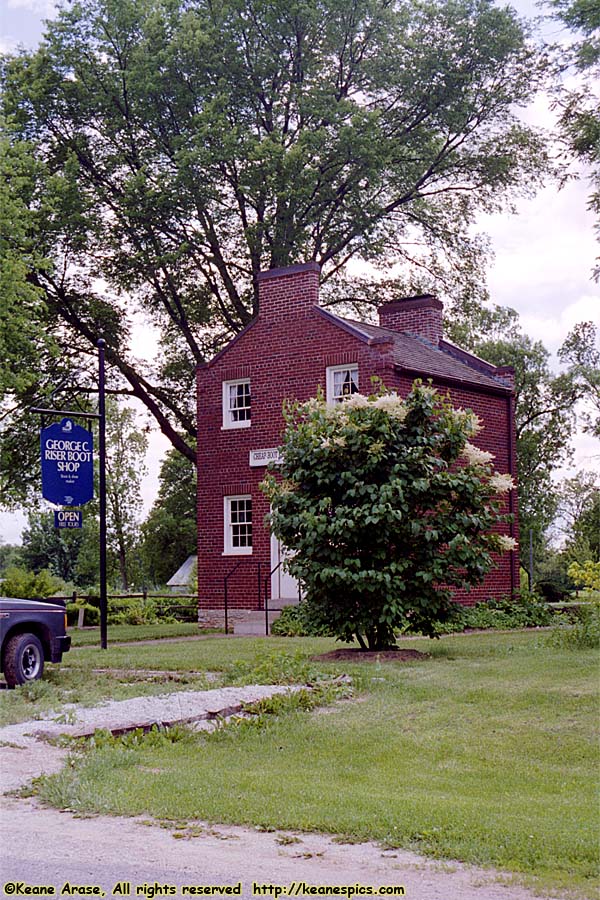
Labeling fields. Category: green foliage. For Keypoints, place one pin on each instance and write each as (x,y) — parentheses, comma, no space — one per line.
(155,738)
(579,511)
(273,668)
(9,555)
(171,167)
(580,352)
(169,533)
(544,422)
(132,611)
(91,614)
(586,575)
(298,621)
(579,106)
(26,342)
(71,554)
(583,634)
(126,445)
(19,582)
(525,610)
(386,505)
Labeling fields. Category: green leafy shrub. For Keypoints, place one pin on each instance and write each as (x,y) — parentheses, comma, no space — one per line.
(19,582)
(585,575)
(274,668)
(91,614)
(526,610)
(297,621)
(132,611)
(584,634)
(387,506)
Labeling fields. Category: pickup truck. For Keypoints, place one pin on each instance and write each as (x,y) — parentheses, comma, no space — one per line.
(31,632)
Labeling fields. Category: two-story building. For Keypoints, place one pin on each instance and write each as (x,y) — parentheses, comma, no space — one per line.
(288,351)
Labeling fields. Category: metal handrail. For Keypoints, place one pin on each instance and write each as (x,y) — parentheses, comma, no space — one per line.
(269,576)
(266,592)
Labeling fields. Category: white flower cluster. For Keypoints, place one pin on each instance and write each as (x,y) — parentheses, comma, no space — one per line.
(475,456)
(354,401)
(506,543)
(327,443)
(501,483)
(470,420)
(393,405)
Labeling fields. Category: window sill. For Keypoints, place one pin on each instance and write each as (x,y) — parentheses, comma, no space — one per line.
(234,427)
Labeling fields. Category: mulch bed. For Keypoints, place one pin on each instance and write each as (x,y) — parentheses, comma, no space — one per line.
(353,654)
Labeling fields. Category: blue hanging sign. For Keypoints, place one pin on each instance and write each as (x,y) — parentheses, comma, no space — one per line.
(68,518)
(67,464)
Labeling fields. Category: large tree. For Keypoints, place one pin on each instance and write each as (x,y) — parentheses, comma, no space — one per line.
(546,405)
(579,517)
(169,532)
(71,555)
(181,147)
(126,444)
(578,98)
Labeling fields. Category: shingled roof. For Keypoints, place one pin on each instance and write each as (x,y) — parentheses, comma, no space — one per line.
(414,354)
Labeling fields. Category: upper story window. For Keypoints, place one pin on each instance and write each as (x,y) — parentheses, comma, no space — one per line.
(236,403)
(238,525)
(342,381)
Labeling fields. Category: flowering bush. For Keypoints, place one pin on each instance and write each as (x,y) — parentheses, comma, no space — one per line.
(386,506)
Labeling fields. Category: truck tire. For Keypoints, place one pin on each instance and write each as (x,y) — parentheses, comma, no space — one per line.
(23,659)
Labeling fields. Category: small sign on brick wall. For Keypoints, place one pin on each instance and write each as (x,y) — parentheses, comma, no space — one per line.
(264,457)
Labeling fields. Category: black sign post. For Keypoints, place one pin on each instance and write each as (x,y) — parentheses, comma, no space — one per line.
(100,416)
(102,486)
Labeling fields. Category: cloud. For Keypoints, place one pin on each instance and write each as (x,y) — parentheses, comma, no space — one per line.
(544,257)
(552,330)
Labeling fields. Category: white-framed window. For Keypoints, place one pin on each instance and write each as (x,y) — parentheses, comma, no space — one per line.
(238,524)
(342,381)
(236,403)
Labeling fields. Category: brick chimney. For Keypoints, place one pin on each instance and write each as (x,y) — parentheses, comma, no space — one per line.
(288,293)
(420,315)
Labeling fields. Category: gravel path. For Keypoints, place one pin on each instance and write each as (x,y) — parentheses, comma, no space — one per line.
(43,846)
(142,712)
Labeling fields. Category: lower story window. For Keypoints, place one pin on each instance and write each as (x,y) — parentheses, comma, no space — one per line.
(238,525)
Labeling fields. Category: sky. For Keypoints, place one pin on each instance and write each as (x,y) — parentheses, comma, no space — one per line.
(544,255)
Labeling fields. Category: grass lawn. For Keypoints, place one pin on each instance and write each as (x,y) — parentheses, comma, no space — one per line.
(484,752)
(87,637)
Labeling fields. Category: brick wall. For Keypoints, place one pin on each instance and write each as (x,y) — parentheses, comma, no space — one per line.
(285,353)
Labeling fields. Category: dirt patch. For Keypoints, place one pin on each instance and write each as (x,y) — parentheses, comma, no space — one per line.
(353,654)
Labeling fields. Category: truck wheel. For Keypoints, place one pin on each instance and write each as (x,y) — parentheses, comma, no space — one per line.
(23,659)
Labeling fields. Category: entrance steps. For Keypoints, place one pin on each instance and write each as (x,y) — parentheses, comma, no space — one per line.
(254,622)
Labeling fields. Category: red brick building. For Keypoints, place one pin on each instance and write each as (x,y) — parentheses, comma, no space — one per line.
(290,349)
